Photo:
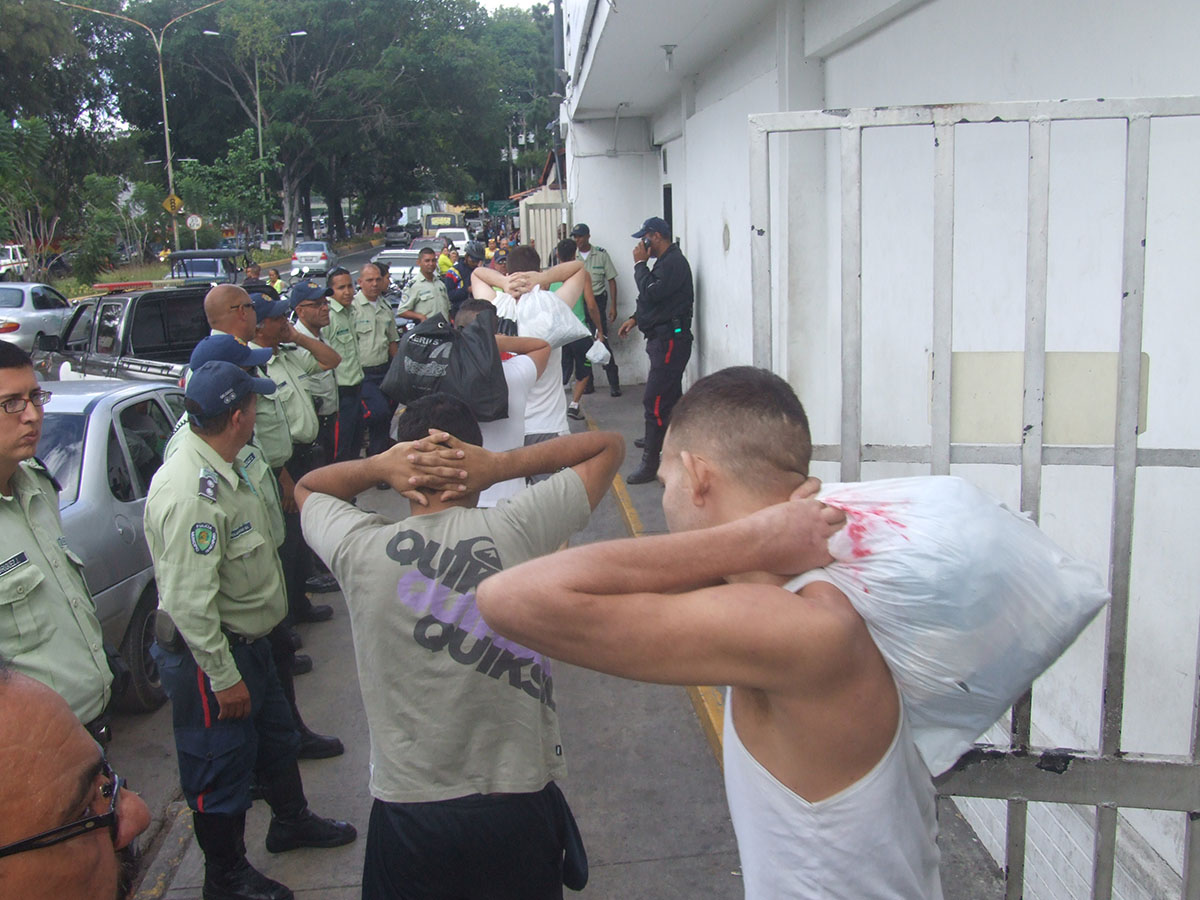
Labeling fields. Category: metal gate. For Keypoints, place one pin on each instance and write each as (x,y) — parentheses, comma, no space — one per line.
(541,223)
(1110,779)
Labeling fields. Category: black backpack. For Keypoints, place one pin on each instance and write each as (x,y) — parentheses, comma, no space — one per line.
(464,363)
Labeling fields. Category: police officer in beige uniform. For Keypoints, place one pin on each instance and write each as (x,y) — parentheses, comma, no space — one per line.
(48,625)
(427,295)
(378,338)
(221,584)
(600,268)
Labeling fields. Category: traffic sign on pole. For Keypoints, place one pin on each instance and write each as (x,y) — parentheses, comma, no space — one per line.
(194,222)
(172,204)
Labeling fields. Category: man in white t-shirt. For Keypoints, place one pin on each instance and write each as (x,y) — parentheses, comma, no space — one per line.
(524,360)
(828,794)
(546,409)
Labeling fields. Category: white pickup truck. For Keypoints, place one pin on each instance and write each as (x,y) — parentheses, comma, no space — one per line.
(12,262)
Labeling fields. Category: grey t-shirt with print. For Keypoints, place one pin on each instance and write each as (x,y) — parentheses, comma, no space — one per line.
(453,708)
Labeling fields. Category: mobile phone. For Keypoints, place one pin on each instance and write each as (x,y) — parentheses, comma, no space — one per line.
(646,243)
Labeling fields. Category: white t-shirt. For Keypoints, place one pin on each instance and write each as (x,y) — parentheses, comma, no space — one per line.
(546,408)
(874,838)
(520,373)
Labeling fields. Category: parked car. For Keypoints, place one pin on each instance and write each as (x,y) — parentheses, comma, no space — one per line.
(438,244)
(402,266)
(313,258)
(396,236)
(103,440)
(139,334)
(270,239)
(28,310)
(214,266)
(12,261)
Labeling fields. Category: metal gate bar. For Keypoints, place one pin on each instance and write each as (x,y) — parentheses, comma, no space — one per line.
(1110,779)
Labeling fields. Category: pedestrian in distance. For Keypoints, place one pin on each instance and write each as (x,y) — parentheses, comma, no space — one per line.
(603,273)
(664,316)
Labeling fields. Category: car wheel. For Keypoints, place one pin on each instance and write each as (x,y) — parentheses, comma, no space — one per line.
(145,692)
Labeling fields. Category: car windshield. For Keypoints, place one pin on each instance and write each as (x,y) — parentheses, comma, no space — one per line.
(10,298)
(311,247)
(61,449)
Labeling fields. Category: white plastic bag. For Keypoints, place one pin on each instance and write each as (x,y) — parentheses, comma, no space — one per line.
(967,601)
(543,314)
(598,354)
(506,307)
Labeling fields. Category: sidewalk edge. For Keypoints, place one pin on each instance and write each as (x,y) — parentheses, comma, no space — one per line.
(161,872)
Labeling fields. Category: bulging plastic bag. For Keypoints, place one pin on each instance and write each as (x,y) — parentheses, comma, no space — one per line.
(967,601)
(506,309)
(598,354)
(543,314)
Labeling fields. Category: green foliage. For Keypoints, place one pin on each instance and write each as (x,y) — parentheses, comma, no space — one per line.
(228,191)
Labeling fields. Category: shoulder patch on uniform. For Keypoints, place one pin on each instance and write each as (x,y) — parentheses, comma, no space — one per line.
(40,467)
(204,537)
(598,247)
(13,562)
(208,485)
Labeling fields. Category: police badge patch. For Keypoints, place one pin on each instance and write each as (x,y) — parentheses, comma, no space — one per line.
(204,537)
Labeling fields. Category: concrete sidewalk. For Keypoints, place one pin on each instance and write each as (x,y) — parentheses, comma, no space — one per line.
(644,781)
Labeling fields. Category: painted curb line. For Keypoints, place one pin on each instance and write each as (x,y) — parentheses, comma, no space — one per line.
(161,872)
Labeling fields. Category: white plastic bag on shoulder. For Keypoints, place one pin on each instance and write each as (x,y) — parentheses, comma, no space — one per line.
(967,601)
(543,314)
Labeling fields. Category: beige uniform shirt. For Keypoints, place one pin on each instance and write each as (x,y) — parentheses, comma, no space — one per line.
(600,269)
(48,625)
(210,534)
(340,335)
(321,384)
(426,297)
(288,371)
(271,429)
(375,329)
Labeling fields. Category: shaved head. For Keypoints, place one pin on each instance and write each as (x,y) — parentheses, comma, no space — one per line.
(225,307)
(750,422)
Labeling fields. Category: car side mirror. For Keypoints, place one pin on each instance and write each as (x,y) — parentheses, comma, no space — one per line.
(48,343)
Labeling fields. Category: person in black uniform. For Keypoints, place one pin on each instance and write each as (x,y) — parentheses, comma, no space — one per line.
(664,315)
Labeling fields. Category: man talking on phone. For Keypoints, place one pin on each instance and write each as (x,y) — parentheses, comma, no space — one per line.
(664,315)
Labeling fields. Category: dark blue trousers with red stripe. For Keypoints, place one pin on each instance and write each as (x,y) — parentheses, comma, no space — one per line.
(669,355)
(218,757)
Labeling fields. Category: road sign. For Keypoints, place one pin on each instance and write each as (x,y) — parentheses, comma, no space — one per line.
(172,204)
(194,222)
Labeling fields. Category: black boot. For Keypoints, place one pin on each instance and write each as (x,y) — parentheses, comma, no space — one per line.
(317,746)
(227,873)
(648,470)
(293,824)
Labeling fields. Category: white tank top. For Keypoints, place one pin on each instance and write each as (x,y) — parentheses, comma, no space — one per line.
(874,839)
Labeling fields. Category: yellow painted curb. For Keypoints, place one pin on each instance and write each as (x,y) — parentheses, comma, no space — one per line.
(709,702)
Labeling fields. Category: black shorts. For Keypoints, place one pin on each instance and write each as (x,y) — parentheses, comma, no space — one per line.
(480,847)
(575,358)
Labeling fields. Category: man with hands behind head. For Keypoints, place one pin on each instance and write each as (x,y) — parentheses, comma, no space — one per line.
(828,794)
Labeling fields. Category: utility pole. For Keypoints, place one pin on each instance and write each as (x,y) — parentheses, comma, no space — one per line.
(162,86)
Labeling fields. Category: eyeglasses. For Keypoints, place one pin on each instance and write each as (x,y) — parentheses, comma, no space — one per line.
(18,404)
(110,791)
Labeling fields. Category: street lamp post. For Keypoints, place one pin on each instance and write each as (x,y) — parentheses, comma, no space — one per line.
(162,84)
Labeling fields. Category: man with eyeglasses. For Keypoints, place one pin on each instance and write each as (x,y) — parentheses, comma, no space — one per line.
(67,823)
(48,624)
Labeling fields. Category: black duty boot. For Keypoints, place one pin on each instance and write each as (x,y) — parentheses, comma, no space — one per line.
(293,824)
(652,444)
(318,746)
(227,873)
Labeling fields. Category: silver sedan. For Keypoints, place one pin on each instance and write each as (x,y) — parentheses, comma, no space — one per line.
(103,440)
(313,258)
(28,309)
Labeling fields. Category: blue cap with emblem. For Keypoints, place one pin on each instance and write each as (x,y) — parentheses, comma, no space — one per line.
(227,348)
(306,291)
(218,386)
(268,307)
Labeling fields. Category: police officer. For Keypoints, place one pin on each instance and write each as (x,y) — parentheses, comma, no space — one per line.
(664,316)
(427,295)
(220,585)
(377,337)
(48,625)
(599,266)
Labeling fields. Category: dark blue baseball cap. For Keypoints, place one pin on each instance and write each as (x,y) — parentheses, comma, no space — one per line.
(305,291)
(227,348)
(267,307)
(219,386)
(655,224)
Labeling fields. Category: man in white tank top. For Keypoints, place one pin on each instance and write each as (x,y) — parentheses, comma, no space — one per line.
(828,796)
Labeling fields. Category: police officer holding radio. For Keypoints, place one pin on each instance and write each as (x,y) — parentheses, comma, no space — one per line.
(221,585)
(664,315)
(48,625)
